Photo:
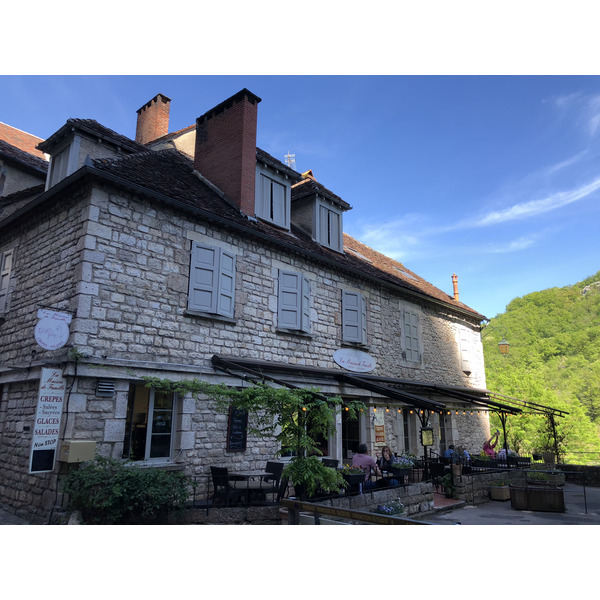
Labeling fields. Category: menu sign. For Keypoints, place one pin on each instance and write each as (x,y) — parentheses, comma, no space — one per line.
(47,421)
(237,429)
(379,423)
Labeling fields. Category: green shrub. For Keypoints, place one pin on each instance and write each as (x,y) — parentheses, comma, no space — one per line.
(109,491)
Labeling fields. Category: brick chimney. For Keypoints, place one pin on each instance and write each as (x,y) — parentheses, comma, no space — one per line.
(153,119)
(455,285)
(226,148)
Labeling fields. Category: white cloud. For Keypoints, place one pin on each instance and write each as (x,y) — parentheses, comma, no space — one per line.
(515,246)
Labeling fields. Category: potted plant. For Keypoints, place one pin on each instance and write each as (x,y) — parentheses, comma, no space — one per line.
(547,478)
(499,490)
(395,507)
(402,466)
(447,483)
(353,476)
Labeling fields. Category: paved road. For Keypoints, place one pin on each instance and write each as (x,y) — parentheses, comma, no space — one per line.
(501,513)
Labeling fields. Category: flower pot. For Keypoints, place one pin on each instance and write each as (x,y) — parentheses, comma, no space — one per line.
(546,499)
(354,482)
(500,492)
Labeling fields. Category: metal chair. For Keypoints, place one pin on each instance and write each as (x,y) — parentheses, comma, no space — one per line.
(222,489)
(330,462)
(270,484)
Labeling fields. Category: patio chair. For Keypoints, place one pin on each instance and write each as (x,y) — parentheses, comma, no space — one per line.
(223,492)
(270,484)
(330,462)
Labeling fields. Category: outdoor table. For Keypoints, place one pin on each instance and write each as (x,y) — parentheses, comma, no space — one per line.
(247,476)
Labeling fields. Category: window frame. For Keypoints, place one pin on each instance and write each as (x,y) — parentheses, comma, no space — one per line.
(266,208)
(412,336)
(223,269)
(301,322)
(324,232)
(127,445)
(354,316)
(6,256)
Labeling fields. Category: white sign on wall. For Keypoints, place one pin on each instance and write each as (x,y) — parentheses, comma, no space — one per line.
(48,415)
(354,360)
(52,330)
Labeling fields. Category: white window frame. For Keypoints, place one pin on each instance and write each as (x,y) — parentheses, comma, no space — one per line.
(293,306)
(6,268)
(149,432)
(412,339)
(354,317)
(329,225)
(217,296)
(272,198)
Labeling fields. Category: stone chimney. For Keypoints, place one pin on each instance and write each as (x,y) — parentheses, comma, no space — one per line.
(455,285)
(226,148)
(153,119)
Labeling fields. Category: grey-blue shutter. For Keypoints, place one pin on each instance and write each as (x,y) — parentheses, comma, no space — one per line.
(363,325)
(226,283)
(290,300)
(464,354)
(5,270)
(305,308)
(351,316)
(203,278)
(411,336)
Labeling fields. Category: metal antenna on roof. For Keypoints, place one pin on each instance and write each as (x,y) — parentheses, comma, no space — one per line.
(290,160)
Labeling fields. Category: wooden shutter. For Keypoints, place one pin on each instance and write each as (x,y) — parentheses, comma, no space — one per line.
(305,308)
(226,289)
(465,354)
(354,317)
(364,319)
(5,270)
(411,336)
(290,300)
(278,203)
(204,278)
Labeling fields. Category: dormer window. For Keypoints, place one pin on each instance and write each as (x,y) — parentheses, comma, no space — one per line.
(329,226)
(273,195)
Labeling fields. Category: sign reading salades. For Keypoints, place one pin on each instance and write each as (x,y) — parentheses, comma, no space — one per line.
(47,421)
(52,329)
(354,360)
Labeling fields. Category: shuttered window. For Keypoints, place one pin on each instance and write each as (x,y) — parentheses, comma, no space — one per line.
(354,317)
(411,336)
(329,228)
(6,260)
(272,201)
(294,301)
(212,280)
(465,362)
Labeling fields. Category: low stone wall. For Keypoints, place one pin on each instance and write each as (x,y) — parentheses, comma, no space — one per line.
(474,489)
(578,472)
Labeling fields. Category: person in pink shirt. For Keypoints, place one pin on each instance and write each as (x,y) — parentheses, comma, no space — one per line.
(363,461)
(488,447)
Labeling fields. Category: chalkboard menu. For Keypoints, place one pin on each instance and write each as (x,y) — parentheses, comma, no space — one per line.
(237,428)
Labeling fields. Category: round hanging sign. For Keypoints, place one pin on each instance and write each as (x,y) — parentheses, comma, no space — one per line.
(354,360)
(52,330)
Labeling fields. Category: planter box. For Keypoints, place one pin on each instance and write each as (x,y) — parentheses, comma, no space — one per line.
(553,479)
(546,499)
(501,493)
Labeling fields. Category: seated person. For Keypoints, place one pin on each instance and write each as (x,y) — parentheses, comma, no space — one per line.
(449,453)
(385,462)
(363,461)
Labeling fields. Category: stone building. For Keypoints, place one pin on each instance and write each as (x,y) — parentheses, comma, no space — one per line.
(196,254)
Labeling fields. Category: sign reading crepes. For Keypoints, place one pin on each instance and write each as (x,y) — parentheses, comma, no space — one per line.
(47,421)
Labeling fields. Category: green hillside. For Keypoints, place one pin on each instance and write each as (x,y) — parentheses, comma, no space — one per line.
(554,360)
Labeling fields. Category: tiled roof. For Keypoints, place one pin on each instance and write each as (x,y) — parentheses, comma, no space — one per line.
(95,129)
(13,202)
(310,186)
(20,139)
(10,152)
(265,157)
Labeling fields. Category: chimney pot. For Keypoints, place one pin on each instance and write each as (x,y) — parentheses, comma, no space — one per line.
(455,285)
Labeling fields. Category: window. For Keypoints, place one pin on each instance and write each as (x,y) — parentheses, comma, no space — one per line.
(465,363)
(150,425)
(294,301)
(411,336)
(273,201)
(354,318)
(329,227)
(212,280)
(6,260)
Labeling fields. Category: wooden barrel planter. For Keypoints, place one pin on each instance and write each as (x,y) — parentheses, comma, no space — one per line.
(540,498)
(500,492)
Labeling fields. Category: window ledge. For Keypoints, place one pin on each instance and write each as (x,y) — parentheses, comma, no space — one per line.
(356,346)
(159,464)
(295,332)
(204,315)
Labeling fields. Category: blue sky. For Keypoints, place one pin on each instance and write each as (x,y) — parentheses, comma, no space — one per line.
(494,178)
